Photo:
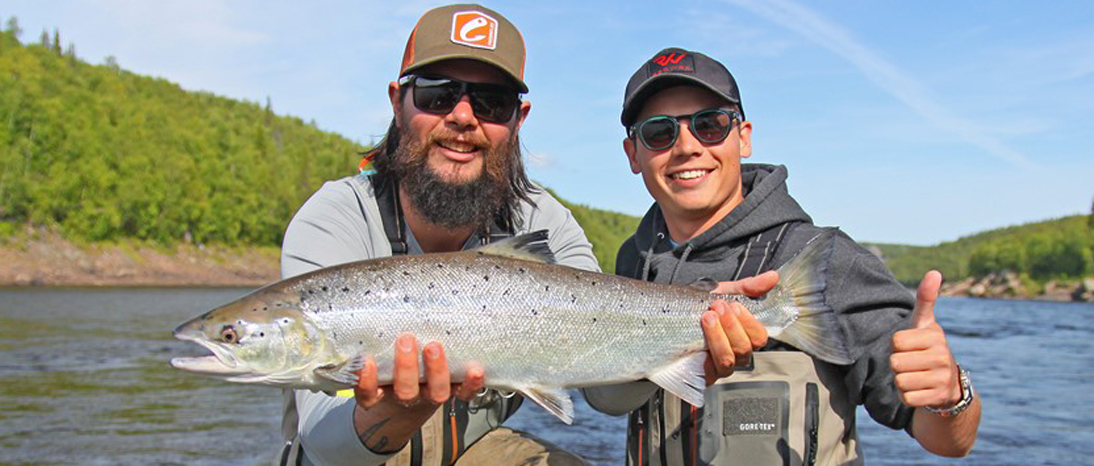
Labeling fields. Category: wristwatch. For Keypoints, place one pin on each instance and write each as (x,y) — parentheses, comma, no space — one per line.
(967,395)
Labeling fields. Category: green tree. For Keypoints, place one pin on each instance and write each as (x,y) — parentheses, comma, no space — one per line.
(13,28)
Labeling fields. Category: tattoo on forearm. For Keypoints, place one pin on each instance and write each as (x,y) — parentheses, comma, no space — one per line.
(375,444)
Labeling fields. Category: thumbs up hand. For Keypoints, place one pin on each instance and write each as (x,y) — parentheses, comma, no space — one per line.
(925,371)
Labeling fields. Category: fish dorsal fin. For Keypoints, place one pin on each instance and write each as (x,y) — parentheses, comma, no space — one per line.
(684,378)
(555,400)
(529,246)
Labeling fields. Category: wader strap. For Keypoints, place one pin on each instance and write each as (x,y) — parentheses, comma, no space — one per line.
(387,199)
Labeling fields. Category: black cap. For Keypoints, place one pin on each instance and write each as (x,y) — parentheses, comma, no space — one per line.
(672,67)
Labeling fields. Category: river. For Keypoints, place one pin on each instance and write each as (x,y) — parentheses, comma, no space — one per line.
(84,379)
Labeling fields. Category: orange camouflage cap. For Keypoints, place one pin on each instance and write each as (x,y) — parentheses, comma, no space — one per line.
(466,31)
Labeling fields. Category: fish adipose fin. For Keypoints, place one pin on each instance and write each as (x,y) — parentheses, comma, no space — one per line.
(344,373)
(685,378)
(529,246)
(555,400)
(802,282)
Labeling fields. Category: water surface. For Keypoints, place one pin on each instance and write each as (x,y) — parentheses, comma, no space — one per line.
(84,379)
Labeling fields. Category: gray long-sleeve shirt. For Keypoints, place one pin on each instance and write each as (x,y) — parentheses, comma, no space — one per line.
(342,223)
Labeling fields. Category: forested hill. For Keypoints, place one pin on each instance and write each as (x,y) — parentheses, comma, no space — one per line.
(1052,249)
(103,154)
(106,154)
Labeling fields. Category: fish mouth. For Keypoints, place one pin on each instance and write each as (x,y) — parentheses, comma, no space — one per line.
(221,362)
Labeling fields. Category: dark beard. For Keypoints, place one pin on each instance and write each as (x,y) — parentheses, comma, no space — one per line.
(472,203)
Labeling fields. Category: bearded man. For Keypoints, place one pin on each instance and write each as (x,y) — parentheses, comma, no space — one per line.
(447,176)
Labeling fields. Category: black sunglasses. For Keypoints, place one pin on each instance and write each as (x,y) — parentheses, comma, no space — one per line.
(709,126)
(489,102)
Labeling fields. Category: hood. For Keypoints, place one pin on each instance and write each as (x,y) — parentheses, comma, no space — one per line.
(766,204)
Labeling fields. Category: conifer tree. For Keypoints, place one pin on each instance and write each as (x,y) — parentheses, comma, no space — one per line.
(13,28)
(56,41)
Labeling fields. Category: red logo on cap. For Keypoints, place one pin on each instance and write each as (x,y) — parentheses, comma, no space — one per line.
(475,29)
(673,58)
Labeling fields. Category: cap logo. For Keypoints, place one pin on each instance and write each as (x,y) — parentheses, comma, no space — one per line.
(673,58)
(675,62)
(475,29)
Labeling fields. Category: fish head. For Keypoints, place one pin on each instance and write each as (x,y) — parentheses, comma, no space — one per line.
(259,339)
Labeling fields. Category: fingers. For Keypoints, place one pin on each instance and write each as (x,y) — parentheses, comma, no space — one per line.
(926,296)
(437,378)
(738,338)
(405,375)
(718,345)
(938,387)
(918,340)
(757,333)
(753,287)
(472,383)
(367,392)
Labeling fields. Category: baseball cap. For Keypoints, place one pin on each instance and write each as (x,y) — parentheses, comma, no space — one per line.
(466,31)
(672,67)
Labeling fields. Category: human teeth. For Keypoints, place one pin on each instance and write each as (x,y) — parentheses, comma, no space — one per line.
(690,174)
(458,147)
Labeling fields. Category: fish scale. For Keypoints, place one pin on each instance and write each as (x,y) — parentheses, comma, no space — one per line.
(535,327)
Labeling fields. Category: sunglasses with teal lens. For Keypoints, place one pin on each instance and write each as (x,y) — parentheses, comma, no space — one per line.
(709,126)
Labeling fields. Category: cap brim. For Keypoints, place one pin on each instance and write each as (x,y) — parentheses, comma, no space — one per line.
(633,104)
(523,88)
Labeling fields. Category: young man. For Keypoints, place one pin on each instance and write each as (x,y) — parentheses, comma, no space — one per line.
(717,218)
(449,176)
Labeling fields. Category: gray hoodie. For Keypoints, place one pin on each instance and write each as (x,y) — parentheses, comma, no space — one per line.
(869,302)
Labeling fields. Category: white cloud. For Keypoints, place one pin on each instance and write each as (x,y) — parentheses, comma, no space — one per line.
(881,72)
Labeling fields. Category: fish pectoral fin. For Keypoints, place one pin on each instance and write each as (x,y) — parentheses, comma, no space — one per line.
(344,373)
(555,400)
(684,378)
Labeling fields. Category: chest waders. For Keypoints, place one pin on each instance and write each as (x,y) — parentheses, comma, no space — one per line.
(783,408)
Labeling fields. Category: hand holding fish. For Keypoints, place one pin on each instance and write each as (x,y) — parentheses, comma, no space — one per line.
(387,416)
(739,333)
(926,372)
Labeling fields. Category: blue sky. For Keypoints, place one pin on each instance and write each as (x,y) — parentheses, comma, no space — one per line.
(904,122)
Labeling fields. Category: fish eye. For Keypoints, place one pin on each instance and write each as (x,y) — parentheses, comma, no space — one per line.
(228,334)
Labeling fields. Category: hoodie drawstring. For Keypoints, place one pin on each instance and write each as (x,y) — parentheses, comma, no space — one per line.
(649,257)
(683,258)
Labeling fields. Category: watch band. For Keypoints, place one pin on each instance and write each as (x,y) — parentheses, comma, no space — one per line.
(967,395)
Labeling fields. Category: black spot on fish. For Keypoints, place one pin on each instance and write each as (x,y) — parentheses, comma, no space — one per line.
(310,291)
(521,270)
(643,321)
(302,299)
(455,292)
(467,268)
(547,288)
(594,320)
(449,332)
(484,307)
(330,306)
(345,289)
(431,285)
(324,288)
(506,293)
(479,253)
(573,299)
(361,343)
(594,282)
(265,308)
(486,277)
(254,310)
(261,334)
(440,266)
(497,267)
(535,312)
(406,299)
(387,289)
(406,274)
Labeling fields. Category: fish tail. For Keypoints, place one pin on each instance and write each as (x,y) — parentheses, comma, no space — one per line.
(800,292)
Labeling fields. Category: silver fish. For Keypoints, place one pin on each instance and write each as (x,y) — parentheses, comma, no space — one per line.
(535,327)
